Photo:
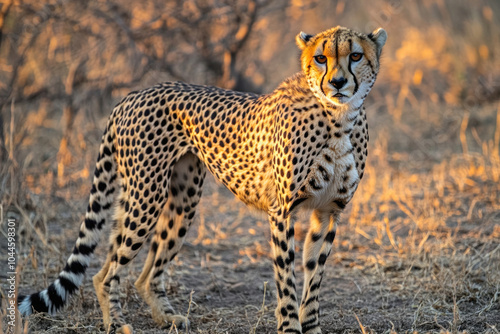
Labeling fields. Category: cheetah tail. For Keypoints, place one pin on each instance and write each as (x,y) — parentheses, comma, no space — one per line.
(101,199)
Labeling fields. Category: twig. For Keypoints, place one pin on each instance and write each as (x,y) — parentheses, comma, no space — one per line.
(360,324)
(496,141)
(189,309)
(463,136)
(172,328)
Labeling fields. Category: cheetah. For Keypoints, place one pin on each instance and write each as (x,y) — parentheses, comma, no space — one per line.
(303,146)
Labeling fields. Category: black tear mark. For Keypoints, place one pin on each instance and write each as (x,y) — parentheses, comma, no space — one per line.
(350,70)
(326,71)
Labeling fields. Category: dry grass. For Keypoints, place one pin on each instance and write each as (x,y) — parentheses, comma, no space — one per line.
(418,249)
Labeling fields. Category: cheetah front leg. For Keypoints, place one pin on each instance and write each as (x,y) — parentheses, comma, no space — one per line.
(282,234)
(317,248)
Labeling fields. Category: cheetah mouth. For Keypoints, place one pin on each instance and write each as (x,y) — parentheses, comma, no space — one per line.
(339,95)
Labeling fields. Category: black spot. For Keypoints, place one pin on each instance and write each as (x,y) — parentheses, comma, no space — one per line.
(311,264)
(315,237)
(340,204)
(322,259)
(330,236)
(284,246)
(280,262)
(96,207)
(108,166)
(90,224)
(191,192)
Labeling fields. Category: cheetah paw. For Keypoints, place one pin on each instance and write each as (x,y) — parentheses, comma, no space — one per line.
(117,329)
(179,321)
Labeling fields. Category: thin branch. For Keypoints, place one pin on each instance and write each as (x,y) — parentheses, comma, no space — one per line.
(21,57)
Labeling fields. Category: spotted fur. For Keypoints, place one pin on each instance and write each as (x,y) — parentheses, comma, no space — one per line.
(304,145)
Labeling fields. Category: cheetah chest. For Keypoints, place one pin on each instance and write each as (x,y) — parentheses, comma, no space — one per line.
(333,178)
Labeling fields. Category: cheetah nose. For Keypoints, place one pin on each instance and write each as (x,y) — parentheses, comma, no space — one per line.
(338,82)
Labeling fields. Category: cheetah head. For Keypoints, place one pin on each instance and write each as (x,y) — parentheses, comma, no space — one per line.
(341,65)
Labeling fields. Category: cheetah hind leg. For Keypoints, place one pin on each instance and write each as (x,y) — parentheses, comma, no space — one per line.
(121,253)
(162,311)
(183,197)
(102,282)
(102,291)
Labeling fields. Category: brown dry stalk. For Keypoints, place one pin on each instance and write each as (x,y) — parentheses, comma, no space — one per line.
(496,150)
(261,311)
(463,136)
(189,309)
(360,324)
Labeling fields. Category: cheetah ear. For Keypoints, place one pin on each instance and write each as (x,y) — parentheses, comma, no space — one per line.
(303,40)
(379,36)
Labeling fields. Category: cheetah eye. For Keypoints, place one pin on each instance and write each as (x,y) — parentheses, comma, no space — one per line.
(356,56)
(320,59)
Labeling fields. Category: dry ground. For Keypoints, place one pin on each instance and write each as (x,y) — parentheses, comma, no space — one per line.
(418,249)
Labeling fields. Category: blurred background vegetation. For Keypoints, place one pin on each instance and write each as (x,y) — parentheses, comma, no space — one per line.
(427,213)
(64,64)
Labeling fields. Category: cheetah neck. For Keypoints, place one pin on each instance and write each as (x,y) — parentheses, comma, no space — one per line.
(302,129)
(298,88)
